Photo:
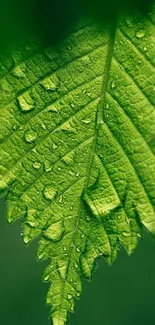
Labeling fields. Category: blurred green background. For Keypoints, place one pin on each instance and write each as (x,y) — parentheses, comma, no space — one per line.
(121,294)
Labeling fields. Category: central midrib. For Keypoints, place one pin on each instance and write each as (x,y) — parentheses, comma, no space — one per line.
(98,122)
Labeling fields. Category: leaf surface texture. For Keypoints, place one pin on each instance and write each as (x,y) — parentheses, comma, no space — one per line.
(77,148)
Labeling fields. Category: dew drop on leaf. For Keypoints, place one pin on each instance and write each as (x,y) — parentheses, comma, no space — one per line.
(49,85)
(36,165)
(86,121)
(55,232)
(30,136)
(14,127)
(113,84)
(126,234)
(140,33)
(54,146)
(26,103)
(47,166)
(76,265)
(52,109)
(18,73)
(49,193)
(69,297)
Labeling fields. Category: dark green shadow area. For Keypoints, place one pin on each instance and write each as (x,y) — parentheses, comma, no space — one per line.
(123,294)
(52,20)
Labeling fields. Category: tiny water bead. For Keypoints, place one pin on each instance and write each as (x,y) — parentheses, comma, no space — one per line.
(126,234)
(54,146)
(49,85)
(49,193)
(18,73)
(69,297)
(36,165)
(55,232)
(113,85)
(26,103)
(140,33)
(86,121)
(30,136)
(47,166)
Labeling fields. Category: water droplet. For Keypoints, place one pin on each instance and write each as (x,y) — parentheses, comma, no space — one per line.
(30,136)
(26,103)
(78,249)
(59,168)
(26,238)
(68,128)
(41,255)
(76,265)
(71,173)
(72,105)
(36,165)
(54,146)
(43,126)
(46,278)
(60,199)
(69,297)
(49,193)
(53,109)
(72,307)
(71,208)
(55,232)
(113,84)
(47,166)
(49,85)
(115,46)
(145,48)
(31,218)
(107,105)
(14,127)
(86,121)
(126,234)
(65,248)
(84,91)
(82,236)
(77,174)
(18,73)
(140,33)
(78,294)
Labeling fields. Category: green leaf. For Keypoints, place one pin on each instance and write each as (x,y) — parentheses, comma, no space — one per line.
(77,148)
